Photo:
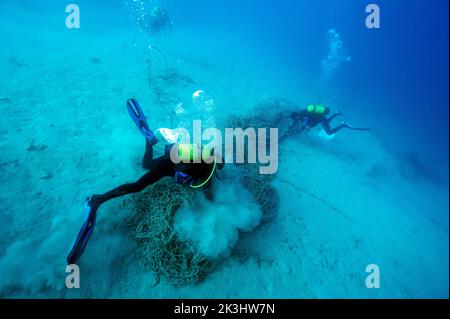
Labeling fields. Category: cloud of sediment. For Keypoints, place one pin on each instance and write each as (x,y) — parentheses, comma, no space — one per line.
(214,228)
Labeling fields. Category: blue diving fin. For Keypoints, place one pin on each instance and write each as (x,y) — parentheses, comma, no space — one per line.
(138,117)
(85,233)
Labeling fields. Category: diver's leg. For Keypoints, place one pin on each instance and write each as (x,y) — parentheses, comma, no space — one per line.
(332,117)
(340,127)
(147,160)
(326,127)
(351,127)
(161,167)
(337,128)
(164,168)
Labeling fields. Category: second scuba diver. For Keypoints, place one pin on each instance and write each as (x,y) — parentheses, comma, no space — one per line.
(313,115)
(194,170)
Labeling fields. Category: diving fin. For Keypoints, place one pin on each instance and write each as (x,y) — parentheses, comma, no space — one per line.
(85,233)
(138,117)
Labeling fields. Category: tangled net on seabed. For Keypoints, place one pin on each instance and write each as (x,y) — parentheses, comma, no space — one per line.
(259,186)
(159,248)
(155,209)
(261,190)
(274,113)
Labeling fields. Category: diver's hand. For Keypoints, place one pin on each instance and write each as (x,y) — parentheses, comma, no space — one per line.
(221,165)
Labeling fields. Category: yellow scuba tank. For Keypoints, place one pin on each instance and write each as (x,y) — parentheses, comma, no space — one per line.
(187,153)
(192,152)
(316,109)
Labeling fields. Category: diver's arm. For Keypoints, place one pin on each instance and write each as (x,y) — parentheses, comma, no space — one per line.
(221,164)
(297,118)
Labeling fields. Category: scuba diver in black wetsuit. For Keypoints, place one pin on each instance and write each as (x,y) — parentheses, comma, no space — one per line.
(195,174)
(313,115)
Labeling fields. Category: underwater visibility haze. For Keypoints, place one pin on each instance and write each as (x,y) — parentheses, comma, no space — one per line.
(363,193)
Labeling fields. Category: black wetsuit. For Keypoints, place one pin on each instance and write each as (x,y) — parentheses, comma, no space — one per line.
(158,168)
(311,120)
(305,120)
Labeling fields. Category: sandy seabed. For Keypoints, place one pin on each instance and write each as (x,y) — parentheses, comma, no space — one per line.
(65,134)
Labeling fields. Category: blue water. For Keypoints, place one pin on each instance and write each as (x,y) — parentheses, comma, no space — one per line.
(356,199)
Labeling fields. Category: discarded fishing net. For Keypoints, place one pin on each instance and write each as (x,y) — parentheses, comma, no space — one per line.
(258,185)
(155,209)
(159,248)
(260,188)
(274,113)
